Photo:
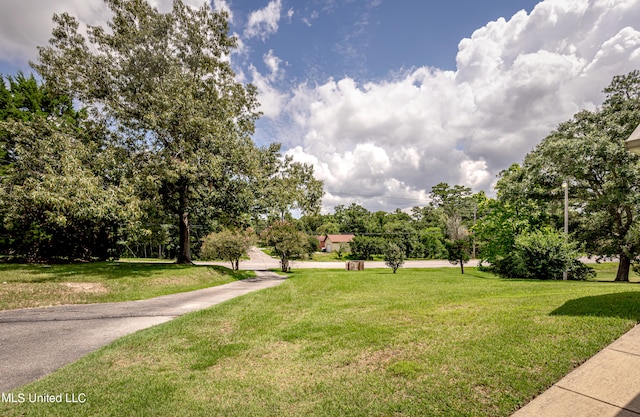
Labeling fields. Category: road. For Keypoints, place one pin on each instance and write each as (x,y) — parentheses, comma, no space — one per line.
(260,260)
(37,341)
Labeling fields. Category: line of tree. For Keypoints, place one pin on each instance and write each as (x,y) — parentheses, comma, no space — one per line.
(162,136)
(440,230)
(519,232)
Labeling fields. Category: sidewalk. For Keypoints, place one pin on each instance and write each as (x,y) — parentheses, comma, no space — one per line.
(607,385)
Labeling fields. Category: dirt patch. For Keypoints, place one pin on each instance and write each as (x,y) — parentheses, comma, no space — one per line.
(87,287)
(376,360)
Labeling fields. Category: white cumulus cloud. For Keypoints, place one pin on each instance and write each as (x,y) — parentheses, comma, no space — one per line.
(26,24)
(516,80)
(264,22)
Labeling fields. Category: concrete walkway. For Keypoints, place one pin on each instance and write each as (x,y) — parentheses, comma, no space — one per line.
(607,385)
(37,341)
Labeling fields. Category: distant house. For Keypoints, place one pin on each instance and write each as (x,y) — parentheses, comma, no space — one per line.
(321,240)
(333,242)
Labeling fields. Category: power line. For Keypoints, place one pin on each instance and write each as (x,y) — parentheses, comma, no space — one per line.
(344,194)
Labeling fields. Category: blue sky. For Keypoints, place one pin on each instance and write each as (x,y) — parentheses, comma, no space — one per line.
(386,98)
(371,39)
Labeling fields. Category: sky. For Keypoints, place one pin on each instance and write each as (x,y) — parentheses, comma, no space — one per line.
(387,98)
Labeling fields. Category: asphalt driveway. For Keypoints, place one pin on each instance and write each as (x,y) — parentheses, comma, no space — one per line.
(36,341)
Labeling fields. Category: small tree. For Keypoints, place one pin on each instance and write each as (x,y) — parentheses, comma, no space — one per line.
(287,242)
(458,245)
(458,251)
(394,256)
(228,244)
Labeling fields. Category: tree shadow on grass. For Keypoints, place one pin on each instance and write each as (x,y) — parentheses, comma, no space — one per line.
(625,305)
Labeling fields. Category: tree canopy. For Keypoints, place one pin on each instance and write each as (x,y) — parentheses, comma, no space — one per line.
(62,194)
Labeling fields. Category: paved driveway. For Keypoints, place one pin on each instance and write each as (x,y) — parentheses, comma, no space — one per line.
(36,341)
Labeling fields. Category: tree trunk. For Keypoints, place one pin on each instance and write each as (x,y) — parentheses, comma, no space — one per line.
(184,253)
(623,268)
(462,266)
(284,264)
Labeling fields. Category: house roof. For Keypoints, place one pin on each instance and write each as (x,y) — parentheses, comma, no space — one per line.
(633,143)
(340,238)
(321,238)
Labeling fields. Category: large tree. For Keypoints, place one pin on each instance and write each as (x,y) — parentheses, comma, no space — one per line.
(604,178)
(164,83)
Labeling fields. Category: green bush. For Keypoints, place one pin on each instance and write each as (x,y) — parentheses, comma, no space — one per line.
(544,254)
(540,254)
(579,271)
(287,241)
(432,240)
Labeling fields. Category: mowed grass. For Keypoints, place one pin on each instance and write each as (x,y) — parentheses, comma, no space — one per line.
(425,342)
(44,285)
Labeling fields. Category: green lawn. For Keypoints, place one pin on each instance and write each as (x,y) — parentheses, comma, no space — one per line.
(335,343)
(43,285)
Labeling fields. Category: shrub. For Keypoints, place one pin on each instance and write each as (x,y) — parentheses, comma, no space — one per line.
(545,254)
(229,245)
(580,272)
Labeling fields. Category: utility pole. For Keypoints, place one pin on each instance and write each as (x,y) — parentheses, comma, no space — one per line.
(565,185)
(475,212)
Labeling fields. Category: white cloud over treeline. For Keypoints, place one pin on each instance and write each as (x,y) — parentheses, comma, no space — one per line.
(516,80)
